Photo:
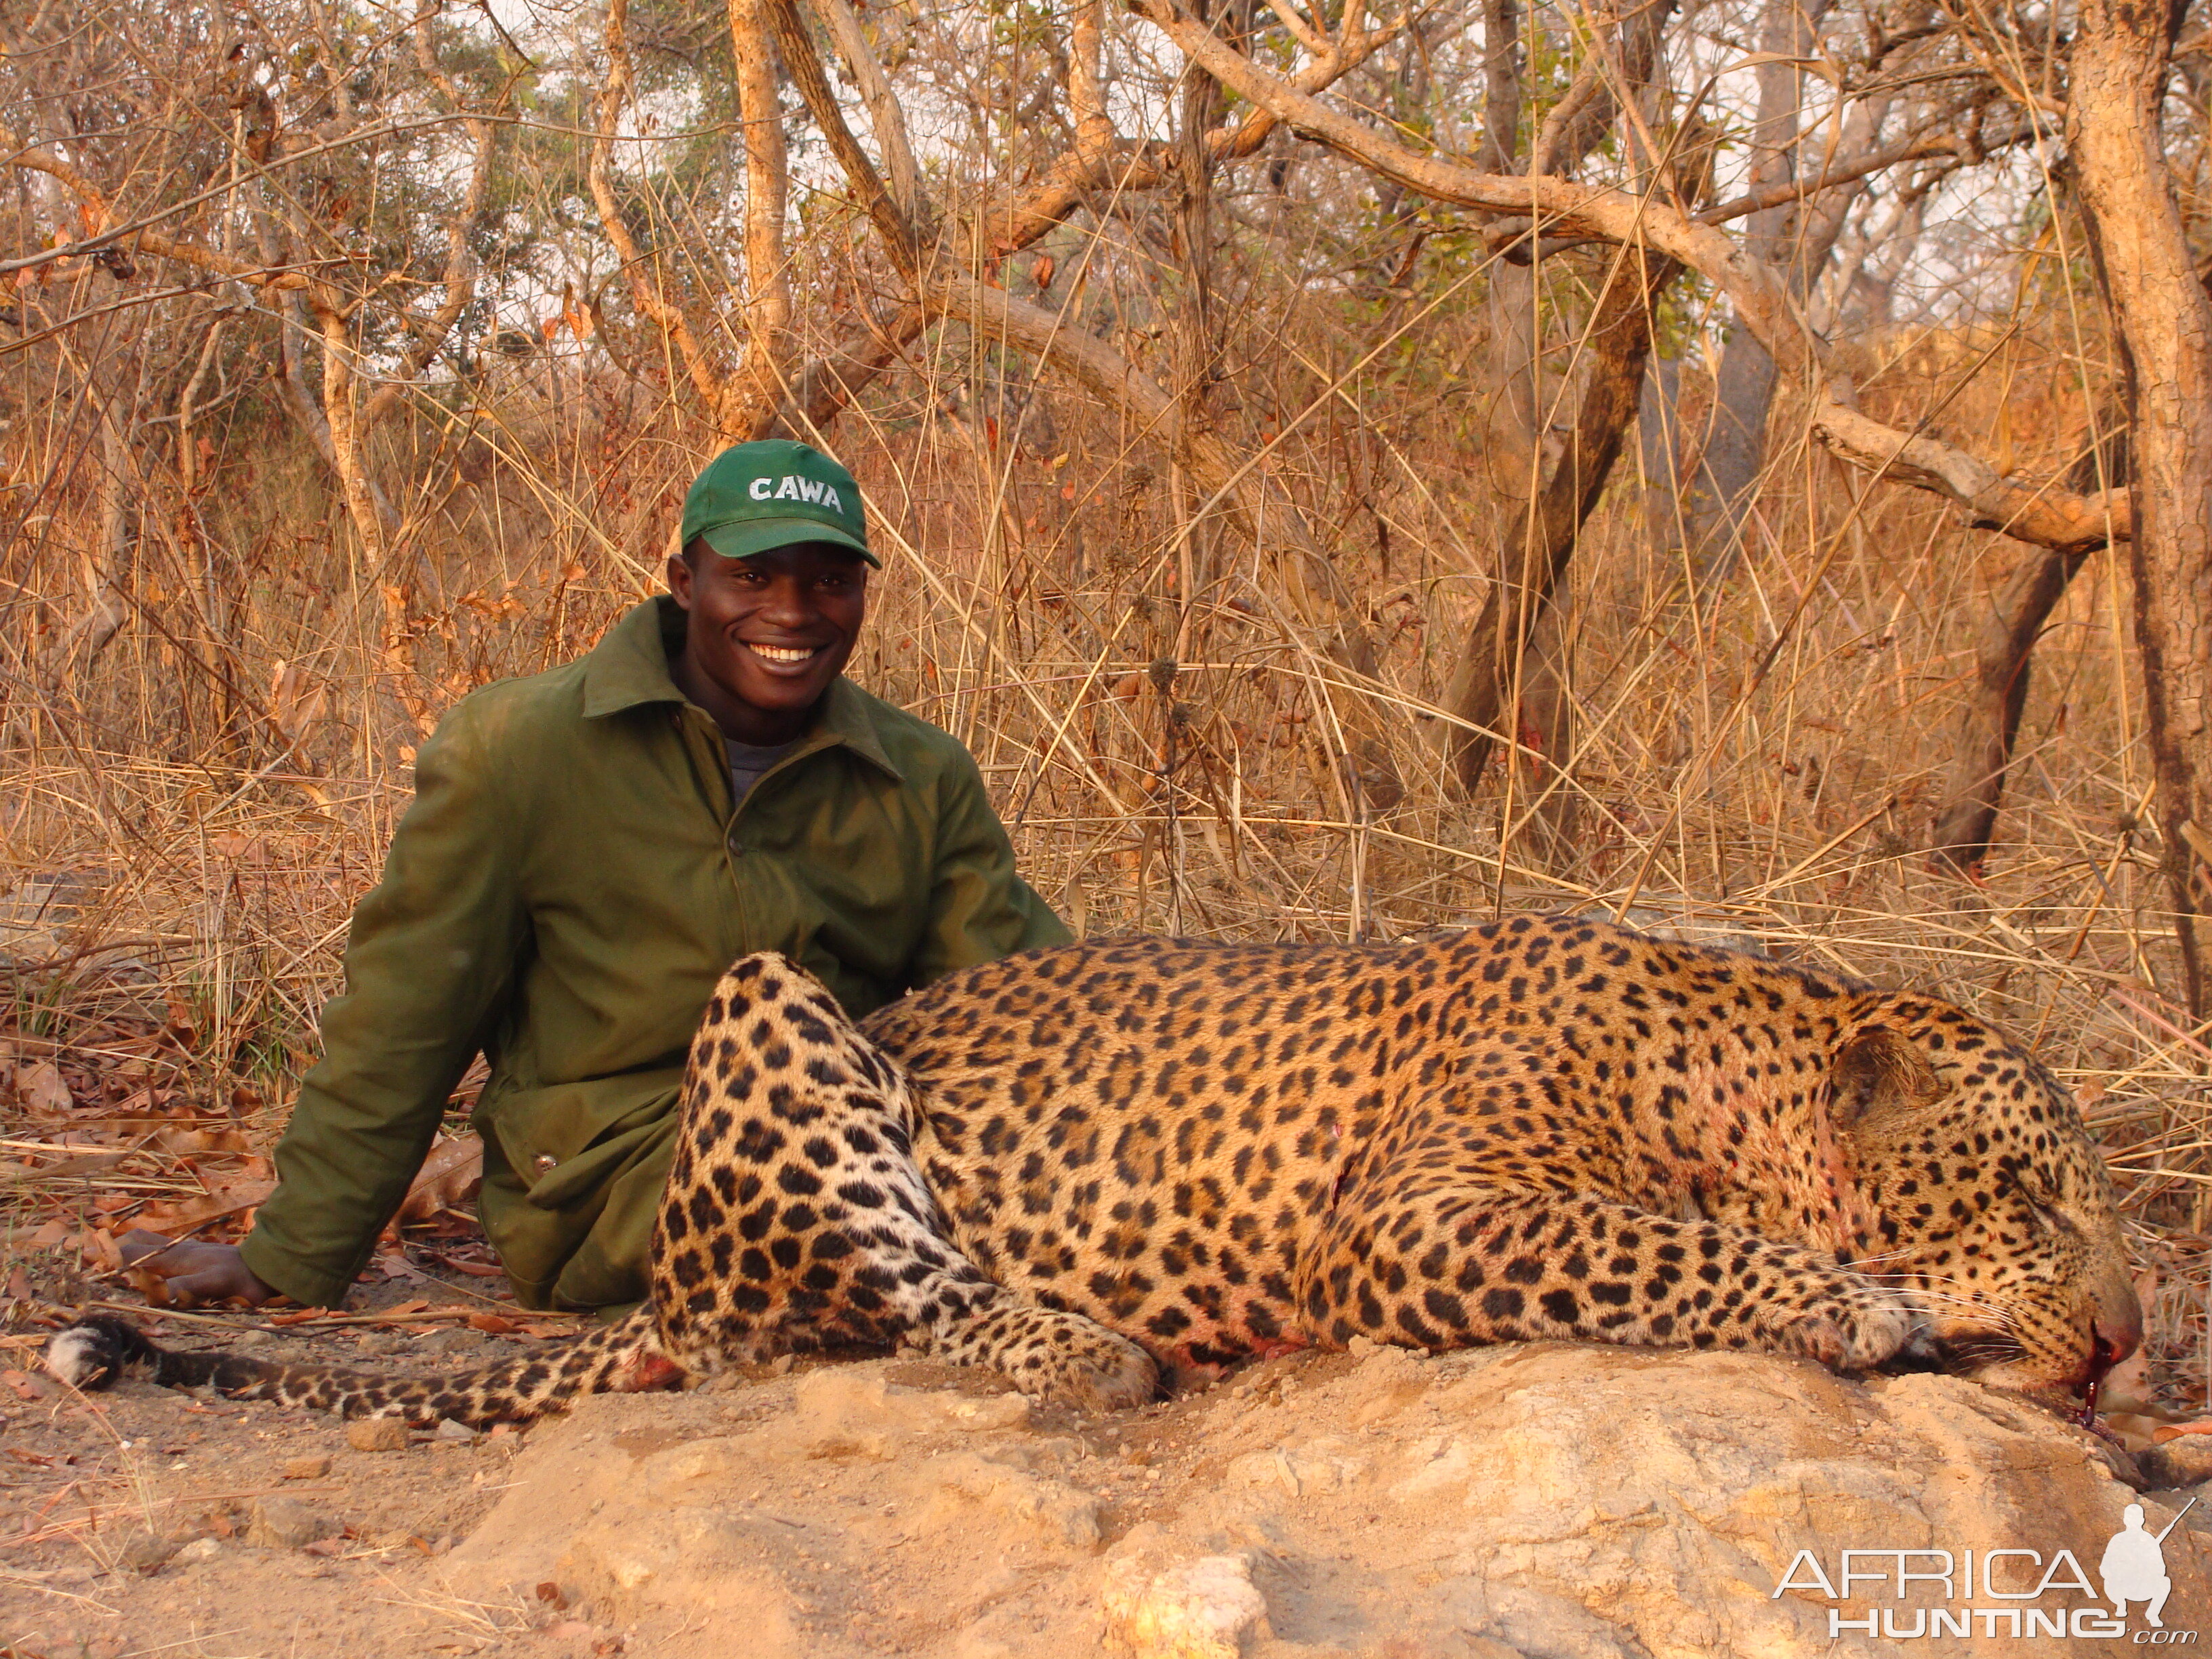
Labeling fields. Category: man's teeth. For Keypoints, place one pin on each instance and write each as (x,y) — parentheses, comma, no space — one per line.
(785,652)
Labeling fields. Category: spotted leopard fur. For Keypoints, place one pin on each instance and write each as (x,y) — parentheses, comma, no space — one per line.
(1079,1163)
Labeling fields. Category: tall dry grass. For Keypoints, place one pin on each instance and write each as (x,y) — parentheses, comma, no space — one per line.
(200,805)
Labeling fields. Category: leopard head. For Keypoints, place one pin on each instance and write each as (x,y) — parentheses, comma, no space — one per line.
(1992,1208)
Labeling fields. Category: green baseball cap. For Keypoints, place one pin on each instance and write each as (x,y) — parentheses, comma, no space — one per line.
(757,497)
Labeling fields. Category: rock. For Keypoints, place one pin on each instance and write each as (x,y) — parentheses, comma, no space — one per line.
(307,1469)
(377,1434)
(1046,1510)
(285,1523)
(1318,1467)
(448,1429)
(2182,1461)
(850,1411)
(1573,1502)
(147,1553)
(1208,1609)
(199,1550)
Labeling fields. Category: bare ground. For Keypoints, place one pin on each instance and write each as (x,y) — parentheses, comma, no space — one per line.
(1548,1500)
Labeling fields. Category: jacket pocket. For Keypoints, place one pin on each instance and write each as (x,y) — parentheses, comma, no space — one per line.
(565,1139)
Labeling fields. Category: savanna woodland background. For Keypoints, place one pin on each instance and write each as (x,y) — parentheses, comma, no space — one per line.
(1736,463)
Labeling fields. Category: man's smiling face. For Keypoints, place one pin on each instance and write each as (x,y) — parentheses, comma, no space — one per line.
(765,635)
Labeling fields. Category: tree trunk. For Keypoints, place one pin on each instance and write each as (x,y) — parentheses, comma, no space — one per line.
(1966,818)
(1990,720)
(1493,667)
(2163,323)
(1735,449)
(749,407)
(1519,663)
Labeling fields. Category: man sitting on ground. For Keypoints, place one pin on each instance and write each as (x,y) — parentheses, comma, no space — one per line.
(587,850)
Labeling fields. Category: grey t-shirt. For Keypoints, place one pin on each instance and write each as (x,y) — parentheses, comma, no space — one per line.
(748,761)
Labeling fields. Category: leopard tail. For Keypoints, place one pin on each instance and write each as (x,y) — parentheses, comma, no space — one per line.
(623,1357)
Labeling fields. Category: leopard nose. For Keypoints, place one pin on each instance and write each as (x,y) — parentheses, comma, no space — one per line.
(2115,1318)
(2119,1334)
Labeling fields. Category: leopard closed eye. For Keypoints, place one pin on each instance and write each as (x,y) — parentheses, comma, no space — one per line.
(1079,1163)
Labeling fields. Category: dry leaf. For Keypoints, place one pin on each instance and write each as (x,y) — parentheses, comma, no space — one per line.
(182,1140)
(474,1269)
(54,1233)
(43,1091)
(174,1218)
(2136,1431)
(492,1324)
(448,1179)
(239,847)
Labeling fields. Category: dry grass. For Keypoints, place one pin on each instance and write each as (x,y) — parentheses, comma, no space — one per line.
(216,790)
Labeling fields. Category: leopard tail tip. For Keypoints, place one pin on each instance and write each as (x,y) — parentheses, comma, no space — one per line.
(93,1352)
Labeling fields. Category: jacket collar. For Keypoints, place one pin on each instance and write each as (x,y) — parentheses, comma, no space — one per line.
(628,668)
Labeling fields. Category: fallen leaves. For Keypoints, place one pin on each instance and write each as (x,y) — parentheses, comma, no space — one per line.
(449,1176)
(462,1265)
(244,1192)
(192,1140)
(41,1089)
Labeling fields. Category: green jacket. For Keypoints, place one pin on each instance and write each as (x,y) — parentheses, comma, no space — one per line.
(566,887)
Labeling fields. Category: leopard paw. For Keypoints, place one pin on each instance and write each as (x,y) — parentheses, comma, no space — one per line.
(1054,1356)
(1852,1331)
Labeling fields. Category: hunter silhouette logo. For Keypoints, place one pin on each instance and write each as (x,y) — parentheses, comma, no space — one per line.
(2019,1592)
(2134,1565)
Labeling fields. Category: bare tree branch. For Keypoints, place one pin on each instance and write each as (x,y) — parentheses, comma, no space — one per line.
(2045,515)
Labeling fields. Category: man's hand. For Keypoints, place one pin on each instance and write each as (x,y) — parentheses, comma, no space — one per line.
(193,1273)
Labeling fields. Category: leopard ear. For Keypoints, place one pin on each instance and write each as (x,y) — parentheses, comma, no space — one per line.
(1877,1073)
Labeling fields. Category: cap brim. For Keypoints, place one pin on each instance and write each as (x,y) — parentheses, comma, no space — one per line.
(749,537)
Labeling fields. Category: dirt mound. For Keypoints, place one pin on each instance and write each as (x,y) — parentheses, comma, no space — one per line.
(1545,1501)
(1568,1502)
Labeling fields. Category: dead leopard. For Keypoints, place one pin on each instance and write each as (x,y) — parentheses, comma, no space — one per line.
(1076,1164)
